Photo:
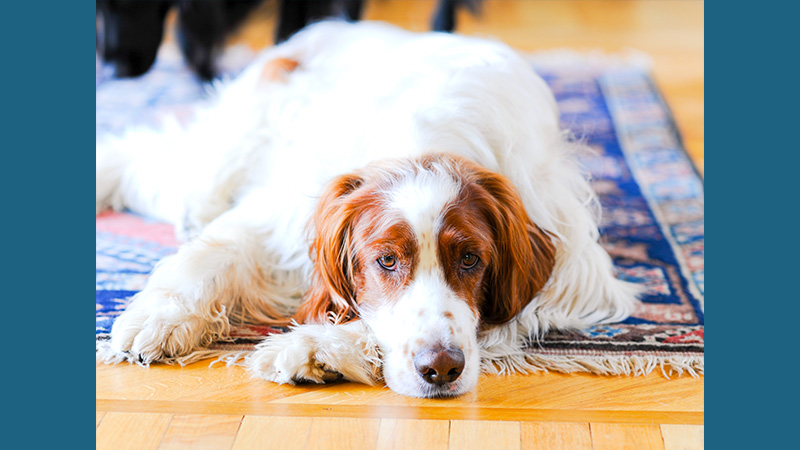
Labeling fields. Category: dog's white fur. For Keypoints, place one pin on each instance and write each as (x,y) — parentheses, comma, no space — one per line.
(240,182)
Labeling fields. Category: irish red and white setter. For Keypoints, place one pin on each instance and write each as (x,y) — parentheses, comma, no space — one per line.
(408,199)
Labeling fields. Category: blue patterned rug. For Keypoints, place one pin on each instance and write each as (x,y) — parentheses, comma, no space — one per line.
(653,219)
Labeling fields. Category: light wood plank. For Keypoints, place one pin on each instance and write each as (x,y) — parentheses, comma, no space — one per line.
(413,434)
(197,431)
(134,431)
(480,435)
(475,412)
(551,435)
(272,433)
(535,392)
(328,433)
(683,437)
(100,415)
(197,381)
(622,436)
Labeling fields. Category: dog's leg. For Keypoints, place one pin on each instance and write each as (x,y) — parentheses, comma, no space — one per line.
(319,354)
(171,173)
(191,295)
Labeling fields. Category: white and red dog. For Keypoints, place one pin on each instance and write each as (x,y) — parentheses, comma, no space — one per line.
(408,199)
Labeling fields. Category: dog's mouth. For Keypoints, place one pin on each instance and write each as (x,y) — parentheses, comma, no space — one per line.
(449,390)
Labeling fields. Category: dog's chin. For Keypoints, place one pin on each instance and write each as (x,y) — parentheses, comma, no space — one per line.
(445,391)
(422,389)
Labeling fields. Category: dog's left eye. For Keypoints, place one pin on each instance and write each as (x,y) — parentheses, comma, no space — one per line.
(469,261)
(388,262)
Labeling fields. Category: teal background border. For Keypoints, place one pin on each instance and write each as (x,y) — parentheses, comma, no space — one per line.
(752,226)
(47,93)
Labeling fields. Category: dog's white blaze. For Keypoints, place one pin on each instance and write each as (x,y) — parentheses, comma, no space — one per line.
(422,200)
(428,313)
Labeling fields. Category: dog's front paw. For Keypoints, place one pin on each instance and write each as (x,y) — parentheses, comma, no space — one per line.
(291,358)
(157,328)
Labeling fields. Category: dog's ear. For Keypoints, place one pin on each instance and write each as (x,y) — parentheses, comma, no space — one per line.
(332,293)
(523,255)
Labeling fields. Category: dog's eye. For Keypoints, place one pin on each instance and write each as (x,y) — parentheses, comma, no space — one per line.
(388,262)
(469,261)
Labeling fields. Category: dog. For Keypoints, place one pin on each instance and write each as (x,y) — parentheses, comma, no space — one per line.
(407,201)
(129,34)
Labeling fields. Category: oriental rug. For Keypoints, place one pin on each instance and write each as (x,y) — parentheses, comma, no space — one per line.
(653,219)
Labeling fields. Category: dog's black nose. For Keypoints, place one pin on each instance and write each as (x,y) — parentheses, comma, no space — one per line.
(439,365)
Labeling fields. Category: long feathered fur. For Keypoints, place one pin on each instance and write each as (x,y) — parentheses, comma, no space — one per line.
(244,179)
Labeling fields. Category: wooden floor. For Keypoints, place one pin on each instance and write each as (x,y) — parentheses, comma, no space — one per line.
(221,407)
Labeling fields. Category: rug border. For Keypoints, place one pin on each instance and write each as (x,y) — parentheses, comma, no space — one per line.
(627,364)
(655,207)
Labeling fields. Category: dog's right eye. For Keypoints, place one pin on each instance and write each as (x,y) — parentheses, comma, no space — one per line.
(469,261)
(388,262)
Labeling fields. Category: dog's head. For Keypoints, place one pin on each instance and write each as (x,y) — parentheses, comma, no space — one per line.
(425,251)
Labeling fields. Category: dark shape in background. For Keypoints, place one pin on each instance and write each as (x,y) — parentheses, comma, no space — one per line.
(129,32)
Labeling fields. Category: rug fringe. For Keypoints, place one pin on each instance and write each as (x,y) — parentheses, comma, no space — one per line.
(673,365)
(601,365)
(105,355)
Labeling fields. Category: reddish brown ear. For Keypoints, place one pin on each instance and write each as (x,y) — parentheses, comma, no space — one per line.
(332,292)
(524,254)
